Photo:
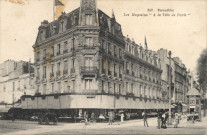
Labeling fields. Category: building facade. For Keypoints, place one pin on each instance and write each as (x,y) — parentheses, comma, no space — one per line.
(83,61)
(16,79)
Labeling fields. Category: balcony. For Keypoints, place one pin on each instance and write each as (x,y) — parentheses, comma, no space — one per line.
(127,71)
(90,71)
(52,75)
(132,73)
(37,59)
(115,74)
(90,46)
(65,51)
(58,53)
(58,73)
(72,70)
(109,72)
(65,71)
(51,55)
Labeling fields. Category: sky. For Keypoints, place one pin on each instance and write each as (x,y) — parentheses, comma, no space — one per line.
(185,36)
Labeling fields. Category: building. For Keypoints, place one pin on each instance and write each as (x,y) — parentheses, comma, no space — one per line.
(181,85)
(165,66)
(83,62)
(16,79)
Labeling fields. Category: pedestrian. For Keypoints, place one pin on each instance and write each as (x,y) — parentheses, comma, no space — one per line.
(145,119)
(86,117)
(159,121)
(110,117)
(162,119)
(176,120)
(122,117)
(93,116)
(165,120)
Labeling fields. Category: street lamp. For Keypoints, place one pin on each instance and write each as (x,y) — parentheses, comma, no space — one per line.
(170,118)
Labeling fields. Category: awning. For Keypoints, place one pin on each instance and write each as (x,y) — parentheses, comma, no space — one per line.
(4,110)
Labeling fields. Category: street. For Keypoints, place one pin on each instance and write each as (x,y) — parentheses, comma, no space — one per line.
(128,127)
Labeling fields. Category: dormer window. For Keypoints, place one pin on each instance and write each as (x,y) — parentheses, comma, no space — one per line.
(88,19)
(61,26)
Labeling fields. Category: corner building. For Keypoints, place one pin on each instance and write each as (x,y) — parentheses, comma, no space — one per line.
(83,62)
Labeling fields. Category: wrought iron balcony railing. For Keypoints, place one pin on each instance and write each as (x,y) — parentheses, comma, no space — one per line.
(58,73)
(52,75)
(65,71)
(65,51)
(88,69)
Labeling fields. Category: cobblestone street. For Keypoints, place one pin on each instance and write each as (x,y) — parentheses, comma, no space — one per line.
(128,127)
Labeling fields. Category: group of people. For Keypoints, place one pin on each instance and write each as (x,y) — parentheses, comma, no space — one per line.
(162,120)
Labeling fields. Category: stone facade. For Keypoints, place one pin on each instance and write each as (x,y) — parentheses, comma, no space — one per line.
(17,79)
(84,58)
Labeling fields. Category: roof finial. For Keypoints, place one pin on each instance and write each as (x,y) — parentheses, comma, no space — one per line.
(145,42)
(113,16)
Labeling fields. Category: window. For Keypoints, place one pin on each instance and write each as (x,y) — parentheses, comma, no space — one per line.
(58,48)
(65,65)
(132,49)
(38,55)
(119,52)
(52,66)
(58,66)
(52,51)
(119,89)
(88,19)
(88,84)
(103,44)
(88,62)
(44,53)
(127,86)
(114,68)
(62,26)
(44,89)
(120,70)
(59,87)
(132,87)
(38,71)
(38,88)
(109,85)
(65,45)
(114,50)
(102,86)
(44,72)
(89,41)
(109,47)
(52,87)
(115,91)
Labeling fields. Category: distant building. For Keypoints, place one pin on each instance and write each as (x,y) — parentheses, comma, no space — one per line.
(16,79)
(181,78)
(83,62)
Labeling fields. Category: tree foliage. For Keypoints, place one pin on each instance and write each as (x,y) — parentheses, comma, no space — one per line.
(202,70)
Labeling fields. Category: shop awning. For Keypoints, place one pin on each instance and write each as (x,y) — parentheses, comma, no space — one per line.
(4,110)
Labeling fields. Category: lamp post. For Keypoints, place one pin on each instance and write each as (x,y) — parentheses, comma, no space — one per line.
(170,118)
